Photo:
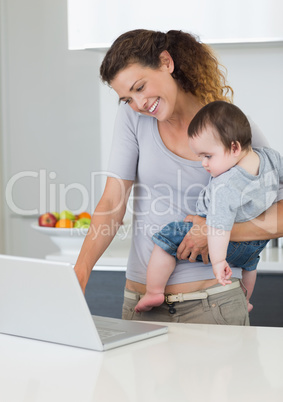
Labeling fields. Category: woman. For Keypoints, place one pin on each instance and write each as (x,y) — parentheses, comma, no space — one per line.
(162,81)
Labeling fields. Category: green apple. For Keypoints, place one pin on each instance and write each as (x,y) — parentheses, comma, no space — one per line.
(83,223)
(67,215)
(57,215)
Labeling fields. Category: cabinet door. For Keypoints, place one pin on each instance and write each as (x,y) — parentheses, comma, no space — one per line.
(96,23)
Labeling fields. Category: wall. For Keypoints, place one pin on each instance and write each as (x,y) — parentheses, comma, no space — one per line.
(2,231)
(50,119)
(255,73)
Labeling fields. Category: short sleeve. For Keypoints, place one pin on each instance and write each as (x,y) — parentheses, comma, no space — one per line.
(280,191)
(259,141)
(223,206)
(124,149)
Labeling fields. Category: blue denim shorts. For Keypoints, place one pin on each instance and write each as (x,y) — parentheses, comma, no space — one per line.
(241,254)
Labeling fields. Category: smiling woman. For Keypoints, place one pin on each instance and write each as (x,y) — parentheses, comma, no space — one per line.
(163,80)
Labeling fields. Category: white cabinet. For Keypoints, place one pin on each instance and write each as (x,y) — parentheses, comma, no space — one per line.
(96,23)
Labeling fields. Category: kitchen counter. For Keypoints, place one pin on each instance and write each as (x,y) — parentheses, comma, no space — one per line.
(194,363)
(115,259)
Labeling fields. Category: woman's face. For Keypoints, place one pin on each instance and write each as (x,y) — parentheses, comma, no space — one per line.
(148,91)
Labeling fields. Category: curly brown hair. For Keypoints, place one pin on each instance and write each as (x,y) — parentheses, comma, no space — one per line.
(196,68)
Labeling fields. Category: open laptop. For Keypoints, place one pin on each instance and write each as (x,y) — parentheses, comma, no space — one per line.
(43,300)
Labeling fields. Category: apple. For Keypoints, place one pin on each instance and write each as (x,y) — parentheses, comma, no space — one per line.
(47,219)
(67,215)
(57,215)
(83,223)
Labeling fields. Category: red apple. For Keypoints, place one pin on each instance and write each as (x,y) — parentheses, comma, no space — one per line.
(47,219)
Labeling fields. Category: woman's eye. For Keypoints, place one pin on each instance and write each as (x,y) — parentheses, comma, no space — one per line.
(127,101)
(208,156)
(140,88)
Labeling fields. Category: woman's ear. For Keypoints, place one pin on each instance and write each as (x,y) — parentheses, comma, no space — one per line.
(166,61)
(236,148)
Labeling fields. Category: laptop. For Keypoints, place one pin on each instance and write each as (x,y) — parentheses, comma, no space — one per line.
(42,300)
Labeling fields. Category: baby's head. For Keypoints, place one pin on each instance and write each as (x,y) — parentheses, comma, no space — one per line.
(227,122)
(220,134)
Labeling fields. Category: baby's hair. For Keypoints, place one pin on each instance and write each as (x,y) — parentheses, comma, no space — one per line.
(229,122)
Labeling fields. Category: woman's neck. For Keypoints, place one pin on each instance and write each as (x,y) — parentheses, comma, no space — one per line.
(174,131)
(186,107)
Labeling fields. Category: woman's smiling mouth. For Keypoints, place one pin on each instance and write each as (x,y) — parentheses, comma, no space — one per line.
(154,106)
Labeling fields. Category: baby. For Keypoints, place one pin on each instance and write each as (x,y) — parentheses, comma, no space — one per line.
(244,183)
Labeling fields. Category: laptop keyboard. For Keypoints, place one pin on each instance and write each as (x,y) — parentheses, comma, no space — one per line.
(105,333)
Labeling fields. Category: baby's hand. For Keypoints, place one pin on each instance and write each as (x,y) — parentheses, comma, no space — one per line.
(222,272)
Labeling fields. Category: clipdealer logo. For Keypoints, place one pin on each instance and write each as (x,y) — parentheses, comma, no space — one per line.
(160,199)
(50,195)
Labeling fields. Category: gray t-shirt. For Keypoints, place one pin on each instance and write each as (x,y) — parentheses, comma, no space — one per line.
(238,196)
(166,189)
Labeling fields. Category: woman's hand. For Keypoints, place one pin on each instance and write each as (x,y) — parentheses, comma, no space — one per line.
(195,241)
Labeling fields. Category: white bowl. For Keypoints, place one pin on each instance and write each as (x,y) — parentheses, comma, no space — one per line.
(69,241)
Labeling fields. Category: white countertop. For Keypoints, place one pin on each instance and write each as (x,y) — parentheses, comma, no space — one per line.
(194,363)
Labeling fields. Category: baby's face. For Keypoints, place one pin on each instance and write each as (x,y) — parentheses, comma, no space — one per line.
(215,158)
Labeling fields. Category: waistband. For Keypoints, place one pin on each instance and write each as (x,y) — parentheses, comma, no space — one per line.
(181,297)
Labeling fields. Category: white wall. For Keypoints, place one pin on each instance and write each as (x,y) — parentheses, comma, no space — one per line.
(255,72)
(49,116)
(2,231)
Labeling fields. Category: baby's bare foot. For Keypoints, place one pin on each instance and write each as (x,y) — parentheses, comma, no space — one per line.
(148,301)
(250,307)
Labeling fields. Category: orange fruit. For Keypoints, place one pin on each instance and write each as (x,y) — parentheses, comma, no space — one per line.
(64,223)
(84,215)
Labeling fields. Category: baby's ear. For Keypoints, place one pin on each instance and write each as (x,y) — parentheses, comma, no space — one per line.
(236,148)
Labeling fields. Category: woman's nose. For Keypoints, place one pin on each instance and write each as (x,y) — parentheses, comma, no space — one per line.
(141,103)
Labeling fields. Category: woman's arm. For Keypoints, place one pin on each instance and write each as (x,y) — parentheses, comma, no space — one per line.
(105,222)
(268,225)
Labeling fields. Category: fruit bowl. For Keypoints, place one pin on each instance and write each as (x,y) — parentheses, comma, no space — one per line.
(69,241)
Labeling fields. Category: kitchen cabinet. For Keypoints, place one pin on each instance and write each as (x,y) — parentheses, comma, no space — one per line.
(95,24)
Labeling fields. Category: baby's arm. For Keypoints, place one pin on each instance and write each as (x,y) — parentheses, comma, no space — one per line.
(218,241)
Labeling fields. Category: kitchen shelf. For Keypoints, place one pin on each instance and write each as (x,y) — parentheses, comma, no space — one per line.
(271,261)
(115,258)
